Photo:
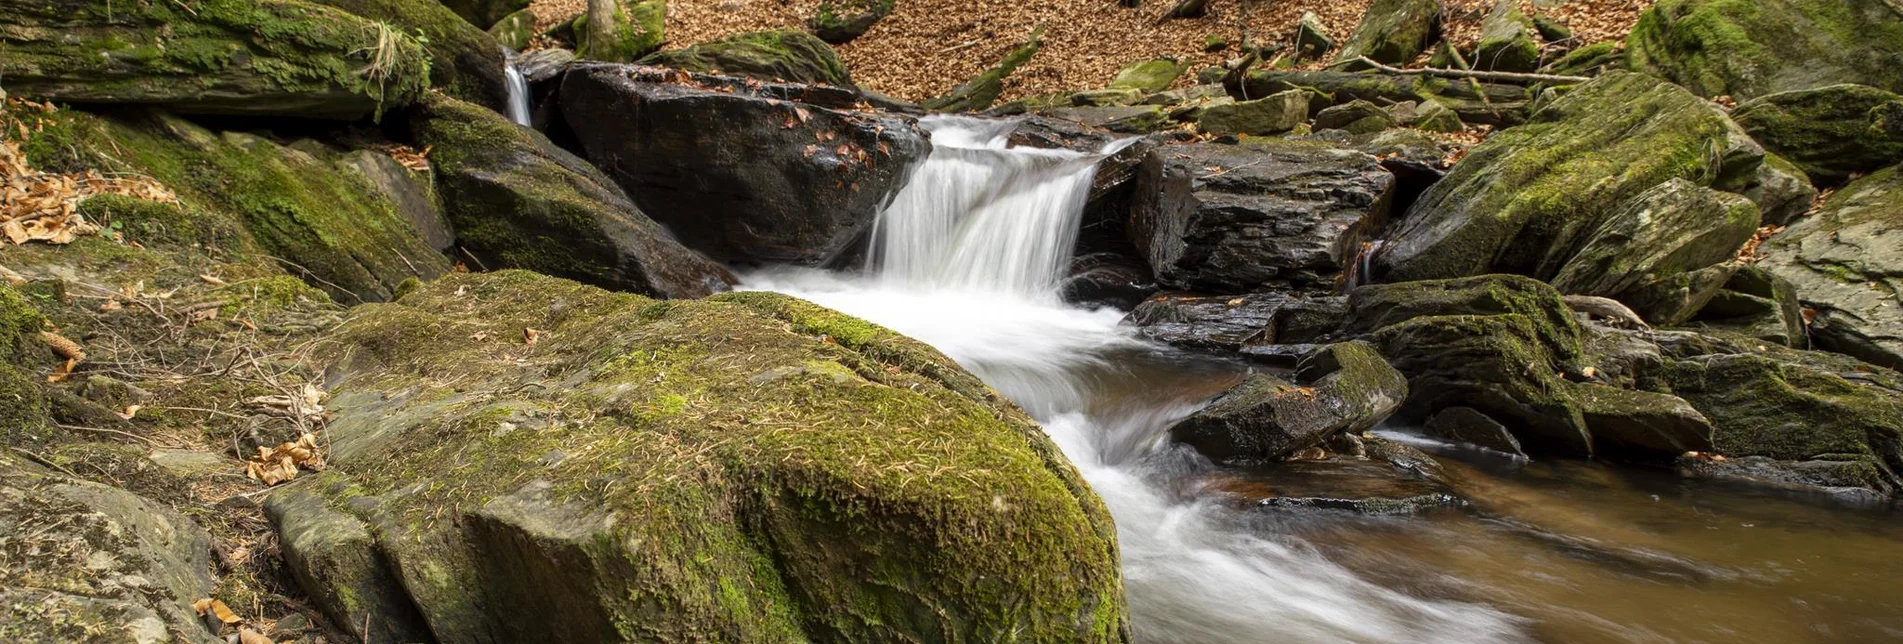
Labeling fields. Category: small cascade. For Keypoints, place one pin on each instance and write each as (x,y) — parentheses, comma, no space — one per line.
(518,90)
(978,216)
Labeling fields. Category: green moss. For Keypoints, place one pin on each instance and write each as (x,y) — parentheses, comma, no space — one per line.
(985,88)
(1587,60)
(625,30)
(1393,31)
(166,224)
(1749,48)
(1830,132)
(1506,40)
(1761,406)
(1149,76)
(463,60)
(236,56)
(767,55)
(778,471)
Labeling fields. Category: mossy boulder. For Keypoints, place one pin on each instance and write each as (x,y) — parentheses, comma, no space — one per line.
(1782,191)
(518,201)
(780,179)
(1435,117)
(95,563)
(793,56)
(982,90)
(1149,76)
(1589,60)
(252,57)
(23,410)
(1508,40)
(1675,227)
(464,60)
(839,21)
(483,13)
(1393,31)
(1847,264)
(1356,117)
(1115,96)
(749,467)
(1498,104)
(1525,199)
(1758,304)
(1751,48)
(1271,115)
(515,31)
(1340,388)
(1831,132)
(621,31)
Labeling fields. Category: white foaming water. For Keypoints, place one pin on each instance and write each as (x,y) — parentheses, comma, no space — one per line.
(966,259)
(518,90)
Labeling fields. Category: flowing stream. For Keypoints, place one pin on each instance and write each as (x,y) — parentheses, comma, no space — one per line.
(518,90)
(968,257)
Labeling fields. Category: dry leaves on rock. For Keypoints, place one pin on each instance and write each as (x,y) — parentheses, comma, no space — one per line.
(43,206)
(410,158)
(279,464)
(216,610)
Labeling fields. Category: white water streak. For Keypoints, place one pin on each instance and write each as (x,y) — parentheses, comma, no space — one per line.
(518,90)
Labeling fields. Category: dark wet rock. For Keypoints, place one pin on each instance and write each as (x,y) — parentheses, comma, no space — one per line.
(1625,358)
(1387,478)
(335,559)
(1356,116)
(543,64)
(464,61)
(1847,263)
(1674,228)
(786,55)
(778,182)
(1750,49)
(1471,426)
(1106,211)
(518,201)
(982,90)
(1393,31)
(1225,323)
(1108,279)
(1781,190)
(1640,424)
(1271,115)
(1526,198)
(1474,102)
(217,59)
(839,21)
(1757,304)
(1342,388)
(666,443)
(1507,40)
(1819,476)
(1149,76)
(1832,132)
(1287,215)
(96,563)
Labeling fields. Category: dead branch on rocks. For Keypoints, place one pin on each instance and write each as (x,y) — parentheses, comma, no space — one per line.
(1512,77)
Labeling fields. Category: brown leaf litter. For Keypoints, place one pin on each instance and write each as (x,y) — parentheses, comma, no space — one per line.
(43,206)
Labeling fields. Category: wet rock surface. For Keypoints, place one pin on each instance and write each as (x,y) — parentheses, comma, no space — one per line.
(1339,388)
(1845,262)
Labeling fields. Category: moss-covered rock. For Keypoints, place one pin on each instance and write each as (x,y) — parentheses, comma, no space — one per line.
(623,31)
(1393,31)
(1750,48)
(483,13)
(1507,40)
(1340,388)
(984,89)
(1675,227)
(1830,132)
(1271,115)
(746,468)
(101,564)
(266,57)
(1589,60)
(1525,199)
(1847,264)
(464,60)
(1781,190)
(515,31)
(518,201)
(1115,96)
(23,410)
(839,21)
(1356,117)
(785,55)
(1435,117)
(1149,76)
(1758,304)
(1484,103)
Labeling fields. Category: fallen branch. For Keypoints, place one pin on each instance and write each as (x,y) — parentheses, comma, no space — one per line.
(1462,73)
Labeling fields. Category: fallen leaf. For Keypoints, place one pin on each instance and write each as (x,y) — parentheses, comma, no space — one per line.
(63,347)
(530,336)
(248,636)
(131,410)
(216,609)
(279,464)
(212,280)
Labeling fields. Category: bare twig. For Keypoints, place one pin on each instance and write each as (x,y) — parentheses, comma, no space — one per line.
(1462,73)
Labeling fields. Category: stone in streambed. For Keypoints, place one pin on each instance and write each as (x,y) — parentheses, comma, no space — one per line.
(217,57)
(1114,96)
(1107,279)
(1223,323)
(827,477)
(335,559)
(1781,190)
(1831,133)
(1263,214)
(1343,388)
(1758,304)
(1674,228)
(1357,117)
(1471,426)
(779,181)
(1498,104)
(518,201)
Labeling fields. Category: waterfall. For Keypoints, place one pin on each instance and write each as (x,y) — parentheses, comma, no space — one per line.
(967,258)
(518,89)
(978,216)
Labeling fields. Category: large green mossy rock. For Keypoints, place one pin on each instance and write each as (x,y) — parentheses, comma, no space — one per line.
(1149,76)
(300,204)
(984,89)
(785,55)
(483,13)
(1507,40)
(464,60)
(1393,31)
(749,467)
(518,201)
(515,31)
(1830,132)
(95,563)
(839,21)
(1523,201)
(1271,115)
(621,31)
(1847,263)
(1750,48)
(253,57)
(1675,227)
